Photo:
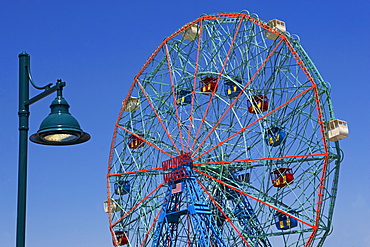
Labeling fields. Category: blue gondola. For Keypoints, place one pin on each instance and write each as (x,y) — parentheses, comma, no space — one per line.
(231,88)
(122,187)
(241,175)
(183,97)
(246,213)
(284,222)
(274,136)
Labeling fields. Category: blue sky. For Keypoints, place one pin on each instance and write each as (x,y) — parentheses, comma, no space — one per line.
(97,47)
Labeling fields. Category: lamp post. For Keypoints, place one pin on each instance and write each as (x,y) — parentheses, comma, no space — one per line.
(59,128)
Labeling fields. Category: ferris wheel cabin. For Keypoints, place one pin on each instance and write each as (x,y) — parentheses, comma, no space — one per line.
(122,237)
(132,104)
(122,187)
(191,33)
(242,175)
(282,177)
(134,142)
(284,222)
(232,89)
(183,97)
(208,85)
(110,206)
(258,104)
(274,136)
(337,130)
(243,213)
(278,26)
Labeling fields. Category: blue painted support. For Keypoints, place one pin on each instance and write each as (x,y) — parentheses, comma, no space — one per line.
(174,217)
(185,204)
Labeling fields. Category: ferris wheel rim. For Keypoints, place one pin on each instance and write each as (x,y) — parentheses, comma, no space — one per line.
(300,62)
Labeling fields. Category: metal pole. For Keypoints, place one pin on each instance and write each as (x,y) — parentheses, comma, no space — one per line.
(23,113)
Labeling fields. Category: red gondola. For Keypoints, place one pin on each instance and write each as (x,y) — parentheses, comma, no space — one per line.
(134,142)
(258,104)
(122,237)
(208,84)
(281,177)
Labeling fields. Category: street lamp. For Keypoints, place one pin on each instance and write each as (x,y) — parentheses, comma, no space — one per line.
(59,128)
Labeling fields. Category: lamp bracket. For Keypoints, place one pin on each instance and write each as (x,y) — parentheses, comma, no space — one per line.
(33,83)
(48,90)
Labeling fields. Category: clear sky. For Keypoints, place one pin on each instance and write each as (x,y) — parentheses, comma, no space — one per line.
(97,47)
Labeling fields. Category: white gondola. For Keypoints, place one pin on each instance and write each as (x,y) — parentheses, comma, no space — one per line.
(278,26)
(337,130)
(112,208)
(132,104)
(191,33)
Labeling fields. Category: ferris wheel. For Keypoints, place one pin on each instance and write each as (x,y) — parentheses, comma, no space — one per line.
(227,137)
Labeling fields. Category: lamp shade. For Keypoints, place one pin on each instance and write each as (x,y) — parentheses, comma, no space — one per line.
(59,127)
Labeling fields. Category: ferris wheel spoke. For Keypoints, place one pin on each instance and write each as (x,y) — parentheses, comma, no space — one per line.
(170,72)
(217,82)
(255,198)
(194,85)
(301,63)
(251,124)
(135,172)
(147,142)
(222,162)
(151,228)
(232,173)
(237,97)
(158,116)
(223,212)
(138,204)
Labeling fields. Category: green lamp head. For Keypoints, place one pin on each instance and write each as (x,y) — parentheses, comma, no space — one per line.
(60,127)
